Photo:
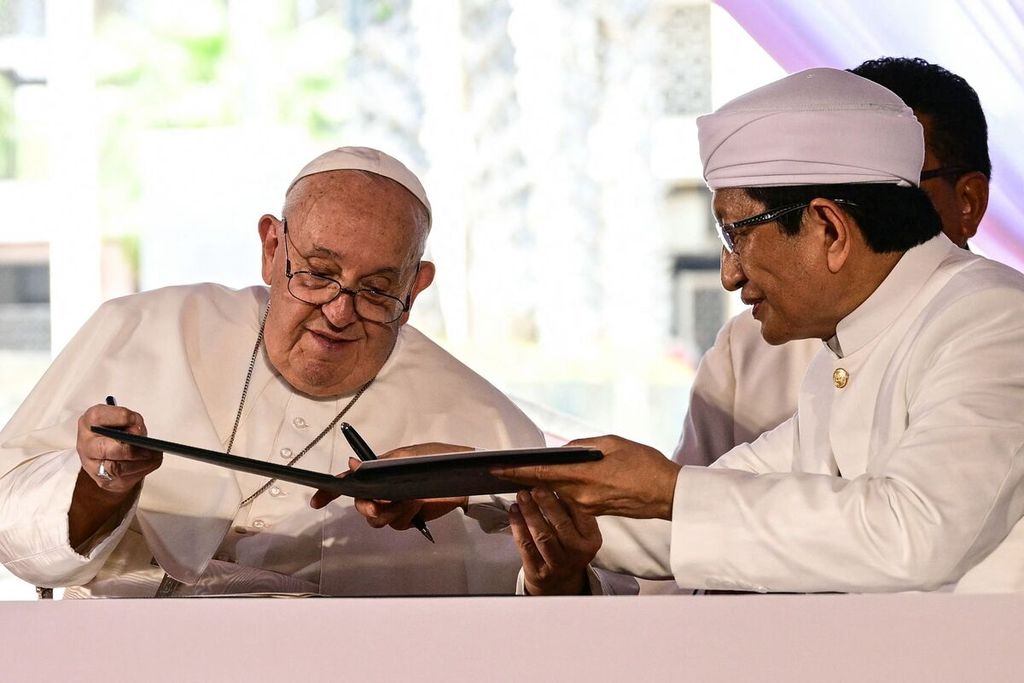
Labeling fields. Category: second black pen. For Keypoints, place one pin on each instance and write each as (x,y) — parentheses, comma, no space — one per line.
(365,453)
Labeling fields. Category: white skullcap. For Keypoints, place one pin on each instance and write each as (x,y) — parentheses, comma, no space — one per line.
(819,126)
(366,159)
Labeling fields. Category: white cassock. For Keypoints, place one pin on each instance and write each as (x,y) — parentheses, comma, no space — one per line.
(743,387)
(908,476)
(179,357)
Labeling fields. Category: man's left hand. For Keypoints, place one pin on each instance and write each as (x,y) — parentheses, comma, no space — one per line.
(632,480)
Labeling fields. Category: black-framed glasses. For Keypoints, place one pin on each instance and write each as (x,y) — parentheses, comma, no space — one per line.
(370,304)
(727,232)
(953,172)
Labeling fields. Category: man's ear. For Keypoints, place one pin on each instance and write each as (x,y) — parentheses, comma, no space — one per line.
(972,200)
(424,276)
(268,236)
(837,229)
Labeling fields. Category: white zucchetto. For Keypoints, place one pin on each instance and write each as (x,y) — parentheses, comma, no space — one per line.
(370,160)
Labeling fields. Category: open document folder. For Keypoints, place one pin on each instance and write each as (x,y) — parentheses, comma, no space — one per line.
(429,476)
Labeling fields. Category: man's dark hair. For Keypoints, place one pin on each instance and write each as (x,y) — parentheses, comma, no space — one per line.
(891,218)
(959,134)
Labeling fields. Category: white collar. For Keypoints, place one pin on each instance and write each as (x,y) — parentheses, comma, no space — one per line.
(878,312)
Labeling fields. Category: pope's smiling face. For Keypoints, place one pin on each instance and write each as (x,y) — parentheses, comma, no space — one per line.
(364,231)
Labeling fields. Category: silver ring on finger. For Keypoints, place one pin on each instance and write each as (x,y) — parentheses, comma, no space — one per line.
(102,472)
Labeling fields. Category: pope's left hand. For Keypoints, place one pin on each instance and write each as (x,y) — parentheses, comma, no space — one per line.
(632,480)
(399,514)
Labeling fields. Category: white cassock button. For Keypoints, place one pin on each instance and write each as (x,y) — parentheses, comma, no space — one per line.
(840,378)
(258,524)
(275,490)
(286,452)
(299,423)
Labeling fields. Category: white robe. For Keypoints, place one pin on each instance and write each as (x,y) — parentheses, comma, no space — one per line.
(179,357)
(908,478)
(743,387)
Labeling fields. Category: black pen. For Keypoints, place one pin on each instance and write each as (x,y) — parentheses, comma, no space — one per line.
(365,453)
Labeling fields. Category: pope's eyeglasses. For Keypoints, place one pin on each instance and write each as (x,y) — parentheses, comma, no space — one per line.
(370,304)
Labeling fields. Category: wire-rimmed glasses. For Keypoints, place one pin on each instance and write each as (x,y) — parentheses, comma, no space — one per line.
(951,172)
(312,288)
(728,232)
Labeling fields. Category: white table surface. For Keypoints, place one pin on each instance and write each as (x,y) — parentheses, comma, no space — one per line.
(913,637)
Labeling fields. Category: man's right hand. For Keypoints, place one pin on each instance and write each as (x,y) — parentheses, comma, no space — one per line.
(126,465)
(97,498)
(556,542)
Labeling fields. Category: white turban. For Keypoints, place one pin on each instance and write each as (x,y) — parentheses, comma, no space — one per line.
(366,159)
(820,126)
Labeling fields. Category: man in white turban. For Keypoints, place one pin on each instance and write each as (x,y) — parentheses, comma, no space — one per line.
(903,466)
(744,386)
(266,372)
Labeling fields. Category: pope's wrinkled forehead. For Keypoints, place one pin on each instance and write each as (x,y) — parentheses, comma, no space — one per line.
(820,126)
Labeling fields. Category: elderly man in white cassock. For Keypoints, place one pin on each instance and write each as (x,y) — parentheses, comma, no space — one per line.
(266,372)
(903,466)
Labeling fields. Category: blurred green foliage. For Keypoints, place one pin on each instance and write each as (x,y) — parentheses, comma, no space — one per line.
(206,53)
(213,66)
(8,134)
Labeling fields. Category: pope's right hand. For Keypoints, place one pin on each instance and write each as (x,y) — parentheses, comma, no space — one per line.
(125,465)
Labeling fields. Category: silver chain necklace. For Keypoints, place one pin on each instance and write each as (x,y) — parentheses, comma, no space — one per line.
(168,585)
(241,404)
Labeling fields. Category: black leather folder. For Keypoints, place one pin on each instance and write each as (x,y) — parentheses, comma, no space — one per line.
(431,476)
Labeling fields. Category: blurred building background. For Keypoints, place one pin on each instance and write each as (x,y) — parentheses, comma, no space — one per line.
(577,265)
(141,140)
